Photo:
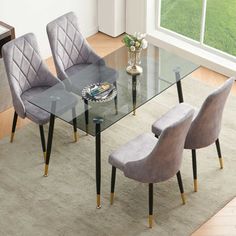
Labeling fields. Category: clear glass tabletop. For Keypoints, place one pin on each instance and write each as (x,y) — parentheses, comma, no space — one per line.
(161,69)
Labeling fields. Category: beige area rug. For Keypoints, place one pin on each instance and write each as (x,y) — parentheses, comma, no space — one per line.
(64,203)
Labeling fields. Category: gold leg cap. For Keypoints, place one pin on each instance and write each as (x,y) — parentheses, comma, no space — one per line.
(183,198)
(112,198)
(98,201)
(134,112)
(221,163)
(75,136)
(195,185)
(46,171)
(12,137)
(150,219)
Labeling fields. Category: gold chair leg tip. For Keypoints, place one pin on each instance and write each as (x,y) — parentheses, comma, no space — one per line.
(112,198)
(46,171)
(195,185)
(183,198)
(98,201)
(150,221)
(12,137)
(221,163)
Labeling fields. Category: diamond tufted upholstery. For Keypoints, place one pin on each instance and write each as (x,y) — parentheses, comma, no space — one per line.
(27,75)
(69,47)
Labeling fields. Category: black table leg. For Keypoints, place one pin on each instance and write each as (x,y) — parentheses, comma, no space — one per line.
(86,115)
(179,86)
(98,122)
(134,93)
(116,100)
(43,143)
(50,137)
(49,143)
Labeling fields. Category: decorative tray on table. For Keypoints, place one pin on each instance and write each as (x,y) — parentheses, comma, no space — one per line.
(99,92)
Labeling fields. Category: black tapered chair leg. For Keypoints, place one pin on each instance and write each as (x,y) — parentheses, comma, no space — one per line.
(43,143)
(181,187)
(217,142)
(194,163)
(150,204)
(13,126)
(113,181)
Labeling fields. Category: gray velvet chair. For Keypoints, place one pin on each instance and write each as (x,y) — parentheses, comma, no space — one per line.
(28,76)
(72,54)
(71,51)
(149,160)
(205,127)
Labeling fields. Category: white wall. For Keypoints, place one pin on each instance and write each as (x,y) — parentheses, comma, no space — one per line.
(136,16)
(33,16)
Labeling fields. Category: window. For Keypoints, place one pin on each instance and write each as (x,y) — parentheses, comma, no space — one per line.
(182,16)
(210,23)
(220,30)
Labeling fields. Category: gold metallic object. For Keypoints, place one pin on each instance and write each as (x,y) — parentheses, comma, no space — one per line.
(183,198)
(46,170)
(98,201)
(134,70)
(111,198)
(195,185)
(221,163)
(75,136)
(150,221)
(12,137)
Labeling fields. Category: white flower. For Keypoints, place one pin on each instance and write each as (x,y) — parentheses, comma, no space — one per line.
(143,36)
(132,48)
(139,37)
(144,44)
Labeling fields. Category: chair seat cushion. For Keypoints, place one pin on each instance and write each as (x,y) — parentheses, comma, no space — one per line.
(82,75)
(33,112)
(168,118)
(136,149)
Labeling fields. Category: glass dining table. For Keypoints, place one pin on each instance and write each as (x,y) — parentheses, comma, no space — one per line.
(161,70)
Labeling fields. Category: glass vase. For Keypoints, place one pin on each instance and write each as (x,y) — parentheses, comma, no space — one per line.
(134,61)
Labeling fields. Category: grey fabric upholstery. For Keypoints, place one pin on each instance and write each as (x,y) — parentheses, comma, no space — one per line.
(205,128)
(206,124)
(27,75)
(69,47)
(149,160)
(168,118)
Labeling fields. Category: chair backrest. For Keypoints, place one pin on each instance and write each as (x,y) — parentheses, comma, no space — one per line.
(68,45)
(24,67)
(206,126)
(165,159)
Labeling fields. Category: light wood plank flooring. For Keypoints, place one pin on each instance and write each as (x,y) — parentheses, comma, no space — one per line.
(224,222)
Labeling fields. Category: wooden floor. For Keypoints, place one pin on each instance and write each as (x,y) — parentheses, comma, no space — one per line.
(221,224)
(224,222)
